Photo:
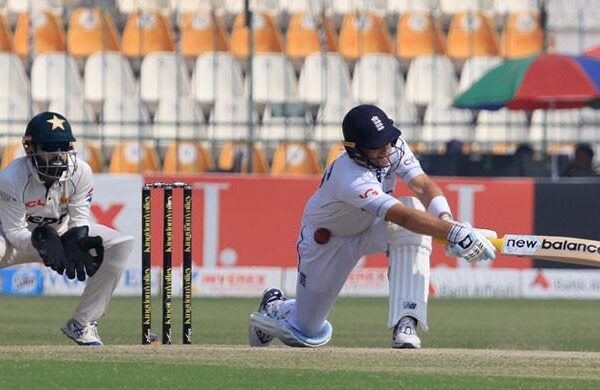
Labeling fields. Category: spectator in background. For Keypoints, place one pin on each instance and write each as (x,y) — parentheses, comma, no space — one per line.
(582,163)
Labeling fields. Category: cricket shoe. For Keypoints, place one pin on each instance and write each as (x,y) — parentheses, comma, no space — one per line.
(405,334)
(256,336)
(82,334)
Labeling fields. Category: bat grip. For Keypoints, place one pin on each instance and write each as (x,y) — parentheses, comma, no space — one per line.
(496,242)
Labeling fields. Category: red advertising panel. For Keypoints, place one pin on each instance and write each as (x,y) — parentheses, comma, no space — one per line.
(254,220)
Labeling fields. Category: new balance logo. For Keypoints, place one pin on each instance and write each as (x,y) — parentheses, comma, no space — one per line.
(377,122)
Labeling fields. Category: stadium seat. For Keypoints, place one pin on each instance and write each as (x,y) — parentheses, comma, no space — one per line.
(274,80)
(15,112)
(289,121)
(522,35)
(497,129)
(11,152)
(442,124)
(228,120)
(145,33)
(108,75)
(267,36)
(555,126)
(302,37)
(572,25)
(187,157)
(132,6)
(377,78)
(291,7)
(79,113)
(431,79)
(182,7)
(54,76)
(6,38)
(418,34)
(90,153)
(13,79)
(334,152)
(294,158)
(471,33)
(474,68)
(49,35)
(453,7)
(216,77)
(163,76)
(363,33)
(125,119)
(404,114)
(329,120)
(590,131)
(233,158)
(19,6)
(91,30)
(401,7)
(178,119)
(324,77)
(202,32)
(506,7)
(134,157)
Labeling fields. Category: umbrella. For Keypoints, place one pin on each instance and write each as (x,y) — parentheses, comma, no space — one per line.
(546,81)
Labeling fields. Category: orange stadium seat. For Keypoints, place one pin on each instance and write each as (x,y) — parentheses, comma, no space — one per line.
(522,35)
(363,33)
(145,33)
(6,38)
(49,33)
(334,151)
(232,158)
(418,34)
(91,30)
(187,157)
(90,153)
(133,157)
(295,158)
(202,32)
(11,152)
(267,36)
(302,36)
(471,33)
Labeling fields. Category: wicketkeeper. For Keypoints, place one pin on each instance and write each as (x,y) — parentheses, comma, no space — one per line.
(45,200)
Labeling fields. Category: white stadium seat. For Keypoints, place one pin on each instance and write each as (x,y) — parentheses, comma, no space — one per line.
(108,75)
(504,125)
(228,120)
(178,119)
(324,77)
(13,79)
(474,68)
(402,6)
(442,123)
(129,6)
(163,76)
(126,119)
(274,79)
(555,126)
(377,79)
(216,77)
(329,120)
(79,114)
(14,115)
(19,6)
(55,76)
(431,79)
(286,121)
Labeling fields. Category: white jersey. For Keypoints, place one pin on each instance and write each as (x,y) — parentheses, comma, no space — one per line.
(25,201)
(351,196)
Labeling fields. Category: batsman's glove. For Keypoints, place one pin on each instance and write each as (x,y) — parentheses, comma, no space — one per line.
(47,242)
(469,244)
(78,247)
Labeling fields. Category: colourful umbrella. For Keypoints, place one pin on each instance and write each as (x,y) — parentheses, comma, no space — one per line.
(547,81)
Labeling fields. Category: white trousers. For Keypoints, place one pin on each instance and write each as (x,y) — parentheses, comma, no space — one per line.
(99,288)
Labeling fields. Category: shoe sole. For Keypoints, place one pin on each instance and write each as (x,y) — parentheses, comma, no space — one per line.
(92,344)
(405,346)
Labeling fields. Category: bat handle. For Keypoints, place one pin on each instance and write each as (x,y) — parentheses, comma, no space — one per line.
(498,243)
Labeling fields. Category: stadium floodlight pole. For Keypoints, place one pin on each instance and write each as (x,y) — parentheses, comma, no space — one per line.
(250,81)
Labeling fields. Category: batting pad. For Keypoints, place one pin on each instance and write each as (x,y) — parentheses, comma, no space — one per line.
(408,271)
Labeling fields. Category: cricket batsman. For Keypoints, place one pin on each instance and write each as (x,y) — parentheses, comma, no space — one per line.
(45,200)
(353,214)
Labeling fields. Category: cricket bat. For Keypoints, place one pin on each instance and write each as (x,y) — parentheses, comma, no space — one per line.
(554,248)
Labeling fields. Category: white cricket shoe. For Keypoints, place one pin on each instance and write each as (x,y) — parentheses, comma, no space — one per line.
(256,336)
(82,335)
(405,334)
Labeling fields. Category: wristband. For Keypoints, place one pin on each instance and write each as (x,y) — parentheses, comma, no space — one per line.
(439,207)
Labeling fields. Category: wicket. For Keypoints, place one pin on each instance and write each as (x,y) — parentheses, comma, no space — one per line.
(167,279)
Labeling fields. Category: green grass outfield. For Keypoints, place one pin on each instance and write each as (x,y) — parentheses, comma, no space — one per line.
(477,344)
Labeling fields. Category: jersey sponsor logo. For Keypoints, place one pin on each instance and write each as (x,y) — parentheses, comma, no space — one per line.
(5,196)
(368,193)
(34,203)
(377,122)
(88,197)
(39,220)
(410,160)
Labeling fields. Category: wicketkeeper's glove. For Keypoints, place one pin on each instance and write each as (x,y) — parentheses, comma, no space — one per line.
(78,246)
